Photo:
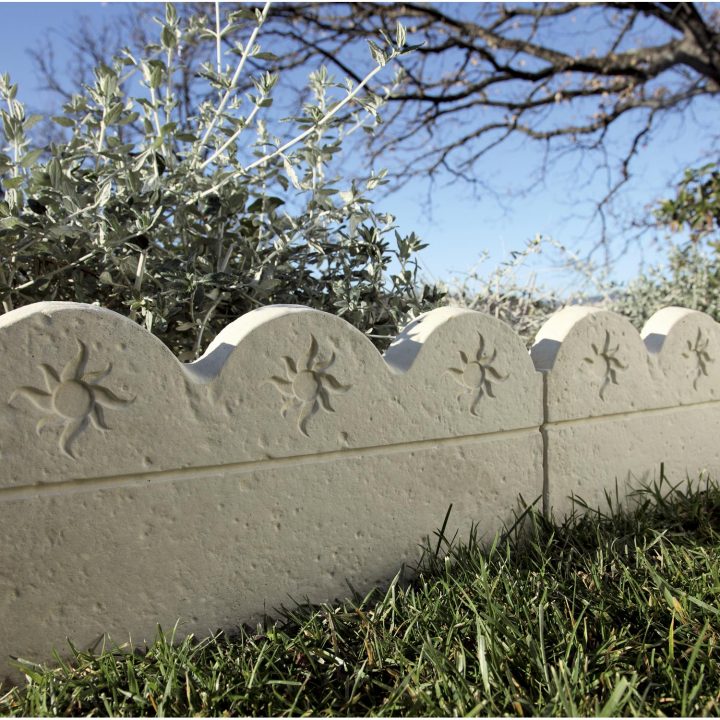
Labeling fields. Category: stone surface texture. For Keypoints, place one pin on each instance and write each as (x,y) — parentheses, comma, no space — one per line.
(291,459)
(618,404)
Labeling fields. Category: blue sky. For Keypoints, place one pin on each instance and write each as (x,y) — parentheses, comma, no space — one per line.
(461,227)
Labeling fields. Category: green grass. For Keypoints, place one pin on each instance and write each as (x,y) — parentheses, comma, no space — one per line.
(611,614)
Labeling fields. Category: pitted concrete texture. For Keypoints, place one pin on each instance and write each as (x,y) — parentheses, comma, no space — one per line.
(618,404)
(291,458)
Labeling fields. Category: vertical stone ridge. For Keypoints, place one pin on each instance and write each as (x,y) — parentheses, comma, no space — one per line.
(545,448)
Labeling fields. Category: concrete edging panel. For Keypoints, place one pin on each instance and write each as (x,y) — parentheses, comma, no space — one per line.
(291,458)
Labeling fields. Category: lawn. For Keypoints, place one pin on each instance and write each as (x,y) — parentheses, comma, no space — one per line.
(604,614)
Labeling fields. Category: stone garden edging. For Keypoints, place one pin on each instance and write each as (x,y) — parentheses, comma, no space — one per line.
(293,459)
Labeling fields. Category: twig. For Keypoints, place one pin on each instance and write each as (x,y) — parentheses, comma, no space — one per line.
(294,141)
(235,77)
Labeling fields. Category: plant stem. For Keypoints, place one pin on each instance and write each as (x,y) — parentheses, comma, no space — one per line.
(55,272)
(203,325)
(7,303)
(218,251)
(153,100)
(232,138)
(217,37)
(101,138)
(235,77)
(295,140)
(140,270)
(228,255)
(14,140)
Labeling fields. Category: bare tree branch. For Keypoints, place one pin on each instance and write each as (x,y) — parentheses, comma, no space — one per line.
(560,74)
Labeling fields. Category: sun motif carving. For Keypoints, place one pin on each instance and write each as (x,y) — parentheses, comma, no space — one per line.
(74,397)
(477,376)
(702,357)
(308,385)
(608,356)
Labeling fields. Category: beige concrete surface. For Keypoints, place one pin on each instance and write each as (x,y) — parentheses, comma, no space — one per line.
(293,460)
(288,460)
(618,403)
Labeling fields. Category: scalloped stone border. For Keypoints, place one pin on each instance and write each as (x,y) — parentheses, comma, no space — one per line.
(293,458)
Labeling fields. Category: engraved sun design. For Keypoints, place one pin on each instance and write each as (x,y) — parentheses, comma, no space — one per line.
(699,349)
(74,397)
(607,355)
(477,376)
(308,385)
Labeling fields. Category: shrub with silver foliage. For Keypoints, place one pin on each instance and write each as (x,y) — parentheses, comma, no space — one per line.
(183,223)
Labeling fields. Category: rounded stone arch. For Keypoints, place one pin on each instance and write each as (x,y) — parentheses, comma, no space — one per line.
(595,364)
